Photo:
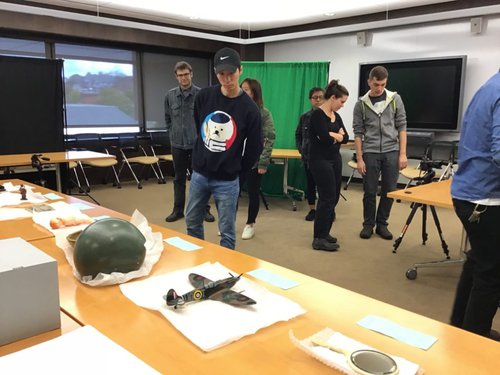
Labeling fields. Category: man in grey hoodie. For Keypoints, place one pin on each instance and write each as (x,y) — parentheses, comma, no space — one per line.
(379,124)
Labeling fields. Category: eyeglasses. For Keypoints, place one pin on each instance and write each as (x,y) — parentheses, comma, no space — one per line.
(317,97)
(183,75)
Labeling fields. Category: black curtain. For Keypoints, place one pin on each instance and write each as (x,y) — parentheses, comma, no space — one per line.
(31,105)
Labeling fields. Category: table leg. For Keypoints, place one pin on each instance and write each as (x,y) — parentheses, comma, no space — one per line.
(58,177)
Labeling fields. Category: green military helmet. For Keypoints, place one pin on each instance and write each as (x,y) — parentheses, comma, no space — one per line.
(109,245)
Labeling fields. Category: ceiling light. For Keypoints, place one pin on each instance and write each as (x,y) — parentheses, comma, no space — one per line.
(329,14)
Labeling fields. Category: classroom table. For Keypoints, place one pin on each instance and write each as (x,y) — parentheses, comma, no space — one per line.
(282,156)
(25,227)
(149,336)
(434,194)
(56,158)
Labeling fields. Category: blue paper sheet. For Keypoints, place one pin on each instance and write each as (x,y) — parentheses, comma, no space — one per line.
(52,196)
(182,244)
(81,206)
(273,279)
(400,333)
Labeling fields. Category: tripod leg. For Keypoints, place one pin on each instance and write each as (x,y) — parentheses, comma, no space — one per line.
(398,240)
(444,245)
(424,224)
(263,199)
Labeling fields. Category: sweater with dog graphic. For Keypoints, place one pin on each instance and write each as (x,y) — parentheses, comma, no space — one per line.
(229,134)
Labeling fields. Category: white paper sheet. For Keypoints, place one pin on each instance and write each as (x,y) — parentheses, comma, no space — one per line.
(61,209)
(13,198)
(7,213)
(80,352)
(212,324)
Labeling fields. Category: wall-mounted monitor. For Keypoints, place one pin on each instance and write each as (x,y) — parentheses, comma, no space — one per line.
(431,89)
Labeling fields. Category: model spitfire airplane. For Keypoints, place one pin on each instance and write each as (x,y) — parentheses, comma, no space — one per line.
(219,290)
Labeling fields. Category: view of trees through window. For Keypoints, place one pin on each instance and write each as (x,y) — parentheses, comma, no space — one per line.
(95,89)
(102,87)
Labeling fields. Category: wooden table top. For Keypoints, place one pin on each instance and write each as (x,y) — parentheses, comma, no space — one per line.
(29,230)
(433,194)
(14,160)
(279,153)
(291,153)
(149,336)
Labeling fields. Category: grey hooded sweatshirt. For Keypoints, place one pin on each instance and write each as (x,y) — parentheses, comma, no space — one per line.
(380,128)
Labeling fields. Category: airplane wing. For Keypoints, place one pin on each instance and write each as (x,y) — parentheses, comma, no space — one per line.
(198,281)
(232,298)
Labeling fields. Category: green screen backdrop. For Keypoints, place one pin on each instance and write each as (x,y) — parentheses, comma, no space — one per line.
(285,88)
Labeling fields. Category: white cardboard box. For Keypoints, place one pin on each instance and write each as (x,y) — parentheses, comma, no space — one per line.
(29,291)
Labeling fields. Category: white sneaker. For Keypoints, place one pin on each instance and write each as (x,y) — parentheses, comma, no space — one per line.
(248,232)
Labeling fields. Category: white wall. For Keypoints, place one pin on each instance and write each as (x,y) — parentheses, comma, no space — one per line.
(450,38)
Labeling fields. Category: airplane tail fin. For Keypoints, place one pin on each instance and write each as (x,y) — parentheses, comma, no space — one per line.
(172,298)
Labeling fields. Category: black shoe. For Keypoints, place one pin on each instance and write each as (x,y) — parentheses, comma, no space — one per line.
(174,216)
(331,239)
(383,232)
(311,215)
(366,232)
(323,244)
(209,218)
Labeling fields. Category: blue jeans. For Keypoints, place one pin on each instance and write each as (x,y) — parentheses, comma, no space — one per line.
(225,194)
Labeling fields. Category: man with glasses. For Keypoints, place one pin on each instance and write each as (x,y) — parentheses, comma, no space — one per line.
(179,106)
(316,97)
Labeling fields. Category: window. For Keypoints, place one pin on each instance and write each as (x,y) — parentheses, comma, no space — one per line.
(22,47)
(101,89)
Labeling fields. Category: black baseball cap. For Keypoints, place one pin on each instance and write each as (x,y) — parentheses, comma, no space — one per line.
(226,59)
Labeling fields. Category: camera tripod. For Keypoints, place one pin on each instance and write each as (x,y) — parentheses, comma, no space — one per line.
(36,163)
(412,272)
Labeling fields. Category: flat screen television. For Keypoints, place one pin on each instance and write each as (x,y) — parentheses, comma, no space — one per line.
(431,89)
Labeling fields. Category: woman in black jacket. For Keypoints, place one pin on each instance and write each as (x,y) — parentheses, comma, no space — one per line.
(326,133)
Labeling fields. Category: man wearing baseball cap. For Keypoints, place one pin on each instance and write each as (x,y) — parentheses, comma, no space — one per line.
(229,143)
